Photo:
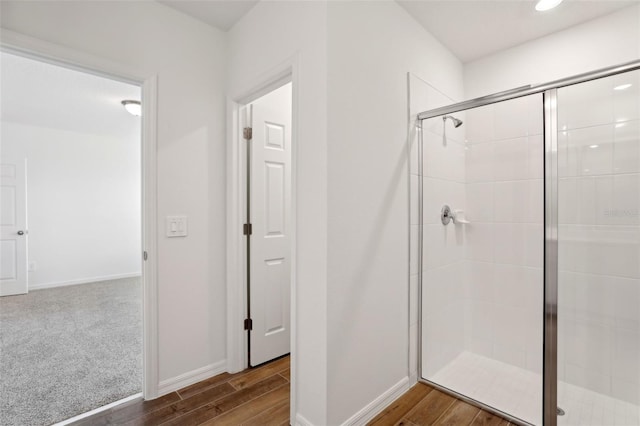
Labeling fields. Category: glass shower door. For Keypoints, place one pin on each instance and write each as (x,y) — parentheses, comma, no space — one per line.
(598,361)
(482,269)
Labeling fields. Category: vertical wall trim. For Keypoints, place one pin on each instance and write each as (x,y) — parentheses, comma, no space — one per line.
(420,259)
(294,65)
(235,310)
(550,364)
(150,237)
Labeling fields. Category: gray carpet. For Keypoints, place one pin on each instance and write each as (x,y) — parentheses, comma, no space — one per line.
(69,350)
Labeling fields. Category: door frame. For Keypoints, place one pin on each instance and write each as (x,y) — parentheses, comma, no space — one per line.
(44,51)
(236,213)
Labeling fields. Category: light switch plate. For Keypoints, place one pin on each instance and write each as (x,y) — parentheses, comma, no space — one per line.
(176,226)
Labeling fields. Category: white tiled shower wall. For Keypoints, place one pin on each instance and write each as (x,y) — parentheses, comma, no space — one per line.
(482,282)
(504,241)
(599,236)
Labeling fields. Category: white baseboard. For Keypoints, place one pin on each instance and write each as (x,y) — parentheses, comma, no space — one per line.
(191,377)
(380,403)
(83,281)
(301,421)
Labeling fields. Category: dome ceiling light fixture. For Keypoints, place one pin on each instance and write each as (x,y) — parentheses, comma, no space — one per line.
(133,107)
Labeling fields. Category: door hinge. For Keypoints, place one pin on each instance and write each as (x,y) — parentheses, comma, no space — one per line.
(248,324)
(247,229)
(247,133)
(144,255)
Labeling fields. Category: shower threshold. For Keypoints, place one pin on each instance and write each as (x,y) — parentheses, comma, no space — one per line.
(518,392)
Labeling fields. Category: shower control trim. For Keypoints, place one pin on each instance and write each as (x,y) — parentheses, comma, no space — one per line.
(448,215)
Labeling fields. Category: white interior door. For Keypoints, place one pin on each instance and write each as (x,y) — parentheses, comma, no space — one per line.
(270,214)
(13,228)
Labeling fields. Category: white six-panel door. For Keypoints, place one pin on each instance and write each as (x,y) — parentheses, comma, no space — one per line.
(270,213)
(13,222)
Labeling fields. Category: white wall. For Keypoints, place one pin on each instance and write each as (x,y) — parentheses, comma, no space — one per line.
(603,42)
(271,34)
(353,259)
(189,59)
(372,46)
(83,201)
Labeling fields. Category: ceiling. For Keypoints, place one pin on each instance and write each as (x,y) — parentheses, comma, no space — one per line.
(222,14)
(473,29)
(45,95)
(470,29)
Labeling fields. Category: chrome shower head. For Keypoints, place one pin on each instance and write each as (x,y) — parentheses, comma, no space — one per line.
(456,122)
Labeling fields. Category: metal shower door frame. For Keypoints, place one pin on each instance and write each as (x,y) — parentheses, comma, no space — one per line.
(550,336)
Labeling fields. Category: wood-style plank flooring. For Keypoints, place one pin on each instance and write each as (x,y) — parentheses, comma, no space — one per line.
(423,405)
(260,396)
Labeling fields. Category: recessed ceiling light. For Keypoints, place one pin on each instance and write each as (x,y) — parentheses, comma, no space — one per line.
(622,86)
(593,146)
(133,107)
(543,5)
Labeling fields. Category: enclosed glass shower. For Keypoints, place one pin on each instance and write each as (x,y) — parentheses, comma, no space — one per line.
(529,248)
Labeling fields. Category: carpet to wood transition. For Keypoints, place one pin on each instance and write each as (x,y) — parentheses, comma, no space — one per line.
(258,396)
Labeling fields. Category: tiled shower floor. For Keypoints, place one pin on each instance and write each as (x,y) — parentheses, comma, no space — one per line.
(518,392)
(588,408)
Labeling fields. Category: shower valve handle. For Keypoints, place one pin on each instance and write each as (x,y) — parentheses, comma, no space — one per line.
(447,215)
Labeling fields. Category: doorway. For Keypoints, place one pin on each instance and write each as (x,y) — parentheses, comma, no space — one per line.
(73,342)
(268,224)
